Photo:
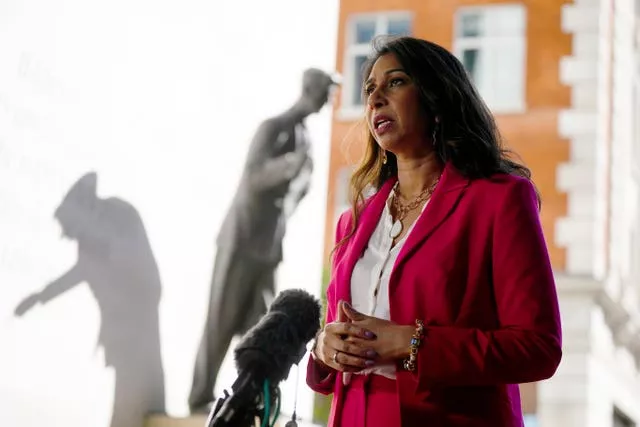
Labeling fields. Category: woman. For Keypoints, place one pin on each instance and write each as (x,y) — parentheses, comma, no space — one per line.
(442,296)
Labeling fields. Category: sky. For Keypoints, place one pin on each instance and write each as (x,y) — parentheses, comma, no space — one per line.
(160,98)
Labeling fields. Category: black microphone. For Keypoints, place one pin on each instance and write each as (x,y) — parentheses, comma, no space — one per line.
(265,356)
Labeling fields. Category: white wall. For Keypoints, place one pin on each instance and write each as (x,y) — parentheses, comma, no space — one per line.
(160,99)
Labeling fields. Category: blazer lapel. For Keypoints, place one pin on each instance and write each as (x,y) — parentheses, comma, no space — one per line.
(367,224)
(442,203)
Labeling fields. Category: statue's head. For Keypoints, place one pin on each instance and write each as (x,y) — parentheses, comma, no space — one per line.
(78,206)
(316,87)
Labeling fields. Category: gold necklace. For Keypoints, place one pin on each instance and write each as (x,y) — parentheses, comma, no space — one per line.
(402,210)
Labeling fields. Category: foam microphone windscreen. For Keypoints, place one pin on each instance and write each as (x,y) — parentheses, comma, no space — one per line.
(279,339)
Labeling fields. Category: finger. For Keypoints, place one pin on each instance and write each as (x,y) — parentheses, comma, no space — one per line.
(351,313)
(361,349)
(346,378)
(360,342)
(330,347)
(328,359)
(341,317)
(349,362)
(349,329)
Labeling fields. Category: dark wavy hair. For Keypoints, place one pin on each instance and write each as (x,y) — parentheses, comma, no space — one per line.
(466,132)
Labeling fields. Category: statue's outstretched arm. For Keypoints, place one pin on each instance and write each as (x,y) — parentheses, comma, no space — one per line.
(265,171)
(299,187)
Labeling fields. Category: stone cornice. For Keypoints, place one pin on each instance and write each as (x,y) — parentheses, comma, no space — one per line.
(624,326)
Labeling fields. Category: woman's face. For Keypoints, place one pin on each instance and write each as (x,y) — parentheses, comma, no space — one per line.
(394,115)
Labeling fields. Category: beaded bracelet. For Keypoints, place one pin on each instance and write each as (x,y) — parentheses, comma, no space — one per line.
(416,339)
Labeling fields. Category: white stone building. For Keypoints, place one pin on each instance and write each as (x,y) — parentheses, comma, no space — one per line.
(598,382)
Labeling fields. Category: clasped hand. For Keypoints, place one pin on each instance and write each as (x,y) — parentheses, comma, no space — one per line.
(355,341)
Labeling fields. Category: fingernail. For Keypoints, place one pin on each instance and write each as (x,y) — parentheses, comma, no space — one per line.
(369,334)
(371,353)
(369,362)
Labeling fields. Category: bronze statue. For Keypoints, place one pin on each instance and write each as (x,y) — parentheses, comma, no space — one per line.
(275,179)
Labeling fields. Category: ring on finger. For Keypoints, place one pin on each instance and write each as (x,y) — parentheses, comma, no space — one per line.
(335,357)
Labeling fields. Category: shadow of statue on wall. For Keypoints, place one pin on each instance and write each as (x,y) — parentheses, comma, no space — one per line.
(116,261)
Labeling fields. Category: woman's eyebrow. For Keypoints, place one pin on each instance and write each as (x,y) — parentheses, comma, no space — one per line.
(393,70)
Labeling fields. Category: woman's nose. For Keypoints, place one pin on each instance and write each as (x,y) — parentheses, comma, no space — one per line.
(376,99)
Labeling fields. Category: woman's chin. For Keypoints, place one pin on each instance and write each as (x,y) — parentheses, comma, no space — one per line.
(388,143)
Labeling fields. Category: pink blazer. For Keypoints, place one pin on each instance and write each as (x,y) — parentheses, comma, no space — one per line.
(476,270)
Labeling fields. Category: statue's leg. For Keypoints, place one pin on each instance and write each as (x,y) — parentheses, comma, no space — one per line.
(263,295)
(231,281)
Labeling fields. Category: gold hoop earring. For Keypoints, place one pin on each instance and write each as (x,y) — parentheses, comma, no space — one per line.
(433,136)
(384,157)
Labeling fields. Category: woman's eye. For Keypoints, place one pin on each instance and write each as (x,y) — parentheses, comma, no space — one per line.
(393,82)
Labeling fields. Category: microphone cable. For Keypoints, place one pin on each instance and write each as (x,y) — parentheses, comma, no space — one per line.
(266,391)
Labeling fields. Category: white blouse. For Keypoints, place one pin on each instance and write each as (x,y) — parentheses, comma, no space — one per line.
(370,278)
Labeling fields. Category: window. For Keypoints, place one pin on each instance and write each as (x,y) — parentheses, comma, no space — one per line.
(490,41)
(361,30)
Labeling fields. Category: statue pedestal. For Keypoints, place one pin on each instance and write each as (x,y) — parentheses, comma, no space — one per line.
(190,421)
(167,421)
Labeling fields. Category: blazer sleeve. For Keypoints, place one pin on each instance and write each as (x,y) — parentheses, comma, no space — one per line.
(527,346)
(321,378)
